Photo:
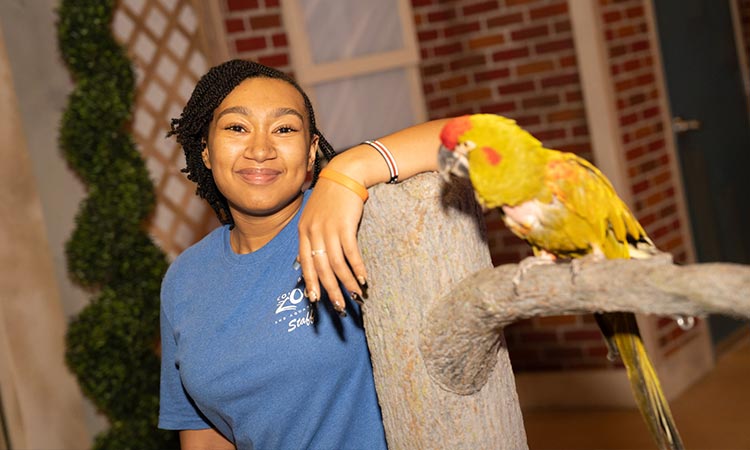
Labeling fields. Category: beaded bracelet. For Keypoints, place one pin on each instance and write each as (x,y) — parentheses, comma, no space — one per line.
(340,178)
(388,157)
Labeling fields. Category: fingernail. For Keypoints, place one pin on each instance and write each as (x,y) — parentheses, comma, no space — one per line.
(312,295)
(361,280)
(357,298)
(296,265)
(342,313)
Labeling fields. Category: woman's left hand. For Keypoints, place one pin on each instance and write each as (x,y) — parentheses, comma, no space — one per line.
(328,250)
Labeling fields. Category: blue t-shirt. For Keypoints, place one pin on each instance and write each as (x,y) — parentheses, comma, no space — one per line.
(244,352)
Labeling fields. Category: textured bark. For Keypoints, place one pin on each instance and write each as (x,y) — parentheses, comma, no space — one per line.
(455,344)
(419,239)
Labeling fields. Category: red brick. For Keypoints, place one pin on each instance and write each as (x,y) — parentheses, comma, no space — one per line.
(514,88)
(612,16)
(617,50)
(548,11)
(645,79)
(574,96)
(563,26)
(271,3)
(279,40)
(514,53)
(234,25)
(568,115)
(441,16)
(463,28)
(427,35)
(656,145)
(631,65)
(433,69)
(481,7)
(473,95)
(581,130)
(538,336)
(534,67)
(554,46)
(560,80)
(448,49)
(279,60)
(635,153)
(467,62)
(498,108)
(486,41)
(568,61)
(454,82)
(641,186)
(528,121)
(549,135)
(439,103)
(239,5)
(264,22)
(639,46)
(651,112)
(492,74)
(530,32)
(507,19)
(582,335)
(418,3)
(636,11)
(543,101)
(250,44)
(628,119)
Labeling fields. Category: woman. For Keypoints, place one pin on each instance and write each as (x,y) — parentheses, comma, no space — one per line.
(250,358)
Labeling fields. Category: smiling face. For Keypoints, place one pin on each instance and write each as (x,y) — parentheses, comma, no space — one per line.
(259,148)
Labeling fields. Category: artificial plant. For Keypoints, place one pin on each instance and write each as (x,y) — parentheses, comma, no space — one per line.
(112,345)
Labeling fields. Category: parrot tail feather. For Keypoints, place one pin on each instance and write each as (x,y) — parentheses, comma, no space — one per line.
(643,378)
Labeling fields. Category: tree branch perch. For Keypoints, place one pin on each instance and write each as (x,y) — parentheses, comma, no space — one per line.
(460,338)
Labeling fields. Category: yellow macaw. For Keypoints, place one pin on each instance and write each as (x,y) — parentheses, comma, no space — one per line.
(564,207)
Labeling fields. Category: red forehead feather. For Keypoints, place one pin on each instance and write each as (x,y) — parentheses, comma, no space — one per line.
(453,130)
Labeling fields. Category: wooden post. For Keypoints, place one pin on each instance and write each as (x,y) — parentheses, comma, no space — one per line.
(419,239)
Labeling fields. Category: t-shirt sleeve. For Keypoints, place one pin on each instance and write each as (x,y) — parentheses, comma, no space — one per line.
(177,411)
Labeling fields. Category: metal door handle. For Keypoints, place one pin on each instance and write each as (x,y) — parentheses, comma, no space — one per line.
(680,125)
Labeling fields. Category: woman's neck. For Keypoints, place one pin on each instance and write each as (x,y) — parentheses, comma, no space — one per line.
(250,233)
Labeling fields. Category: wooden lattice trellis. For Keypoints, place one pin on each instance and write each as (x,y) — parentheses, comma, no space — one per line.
(165,43)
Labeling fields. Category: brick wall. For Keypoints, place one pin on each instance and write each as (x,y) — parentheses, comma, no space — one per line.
(515,58)
(255,31)
(632,57)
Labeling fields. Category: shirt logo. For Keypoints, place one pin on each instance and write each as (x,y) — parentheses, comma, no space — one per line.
(292,309)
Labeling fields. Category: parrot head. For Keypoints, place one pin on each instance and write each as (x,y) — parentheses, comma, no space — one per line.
(493,135)
(491,150)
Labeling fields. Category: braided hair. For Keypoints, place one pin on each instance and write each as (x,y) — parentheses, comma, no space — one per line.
(191,128)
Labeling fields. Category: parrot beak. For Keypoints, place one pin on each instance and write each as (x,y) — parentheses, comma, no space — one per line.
(452,163)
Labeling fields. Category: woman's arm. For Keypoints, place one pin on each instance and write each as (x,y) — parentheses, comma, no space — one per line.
(208,439)
(332,214)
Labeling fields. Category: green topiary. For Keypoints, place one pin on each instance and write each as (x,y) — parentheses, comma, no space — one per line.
(112,345)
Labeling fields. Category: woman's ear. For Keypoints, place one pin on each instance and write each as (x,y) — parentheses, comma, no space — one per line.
(312,153)
(205,156)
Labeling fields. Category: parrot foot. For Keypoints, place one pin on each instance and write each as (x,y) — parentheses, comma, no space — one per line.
(543,258)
